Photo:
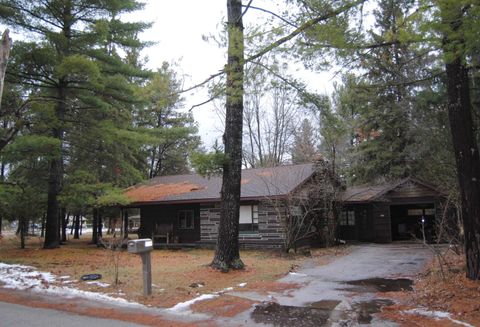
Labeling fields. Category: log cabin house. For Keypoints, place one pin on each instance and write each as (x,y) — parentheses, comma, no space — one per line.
(184,210)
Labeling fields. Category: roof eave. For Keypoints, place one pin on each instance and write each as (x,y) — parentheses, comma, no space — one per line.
(201,201)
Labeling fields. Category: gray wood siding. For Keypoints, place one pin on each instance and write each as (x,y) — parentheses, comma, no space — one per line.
(270,226)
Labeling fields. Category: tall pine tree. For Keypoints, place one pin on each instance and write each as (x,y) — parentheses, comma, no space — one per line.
(73,58)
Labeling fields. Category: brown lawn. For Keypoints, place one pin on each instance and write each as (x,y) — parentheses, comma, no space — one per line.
(174,272)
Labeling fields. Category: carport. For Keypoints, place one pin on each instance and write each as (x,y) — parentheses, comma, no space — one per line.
(389,212)
(411,221)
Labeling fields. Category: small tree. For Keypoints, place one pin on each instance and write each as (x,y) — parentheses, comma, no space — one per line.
(114,246)
(308,213)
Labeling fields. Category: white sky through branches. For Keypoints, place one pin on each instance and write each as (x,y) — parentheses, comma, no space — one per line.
(178,29)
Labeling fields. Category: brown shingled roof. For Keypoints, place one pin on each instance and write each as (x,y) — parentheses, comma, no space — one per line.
(256,184)
(368,193)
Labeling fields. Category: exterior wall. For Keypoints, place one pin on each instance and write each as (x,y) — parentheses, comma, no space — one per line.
(365,225)
(363,230)
(382,222)
(168,214)
(270,226)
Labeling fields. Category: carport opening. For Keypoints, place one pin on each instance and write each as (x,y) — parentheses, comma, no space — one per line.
(407,221)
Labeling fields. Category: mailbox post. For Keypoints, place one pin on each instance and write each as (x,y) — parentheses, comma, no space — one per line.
(143,247)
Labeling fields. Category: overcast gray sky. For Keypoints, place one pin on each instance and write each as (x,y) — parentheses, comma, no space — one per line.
(178,29)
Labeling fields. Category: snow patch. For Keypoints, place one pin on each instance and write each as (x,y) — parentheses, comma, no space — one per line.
(242,285)
(297,274)
(25,277)
(98,284)
(184,306)
(437,315)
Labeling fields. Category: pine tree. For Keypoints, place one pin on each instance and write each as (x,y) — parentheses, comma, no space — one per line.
(384,122)
(459,44)
(170,133)
(227,252)
(74,62)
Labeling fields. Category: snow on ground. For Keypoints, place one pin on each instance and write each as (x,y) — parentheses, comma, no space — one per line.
(185,306)
(21,277)
(437,315)
(297,274)
(25,277)
(100,284)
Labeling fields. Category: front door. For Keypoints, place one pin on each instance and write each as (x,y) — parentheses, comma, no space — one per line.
(366,232)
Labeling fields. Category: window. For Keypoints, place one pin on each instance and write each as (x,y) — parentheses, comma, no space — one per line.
(430,212)
(249,219)
(421,212)
(347,218)
(415,212)
(186,219)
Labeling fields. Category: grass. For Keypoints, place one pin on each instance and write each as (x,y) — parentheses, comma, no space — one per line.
(174,272)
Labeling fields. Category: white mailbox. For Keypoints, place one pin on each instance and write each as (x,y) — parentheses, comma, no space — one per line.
(140,246)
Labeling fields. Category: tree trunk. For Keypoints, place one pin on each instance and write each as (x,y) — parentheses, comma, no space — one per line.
(463,138)
(81,225)
(23,224)
(95,226)
(100,224)
(42,233)
(227,253)
(467,160)
(55,178)
(76,235)
(65,218)
(4,54)
(125,223)
(52,235)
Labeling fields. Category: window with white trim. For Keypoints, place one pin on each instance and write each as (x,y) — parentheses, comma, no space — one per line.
(248,219)
(186,219)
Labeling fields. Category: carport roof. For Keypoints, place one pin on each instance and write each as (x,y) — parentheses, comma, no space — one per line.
(370,193)
(192,188)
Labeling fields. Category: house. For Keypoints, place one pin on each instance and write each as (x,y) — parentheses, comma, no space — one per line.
(391,211)
(185,209)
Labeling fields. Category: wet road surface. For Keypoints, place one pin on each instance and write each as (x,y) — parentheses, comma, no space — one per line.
(19,315)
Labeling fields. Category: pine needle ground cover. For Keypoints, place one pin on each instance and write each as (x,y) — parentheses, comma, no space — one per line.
(177,275)
(436,296)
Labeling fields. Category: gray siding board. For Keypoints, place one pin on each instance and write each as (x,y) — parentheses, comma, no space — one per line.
(270,226)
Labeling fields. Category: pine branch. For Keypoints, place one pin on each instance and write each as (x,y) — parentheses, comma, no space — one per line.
(305,26)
